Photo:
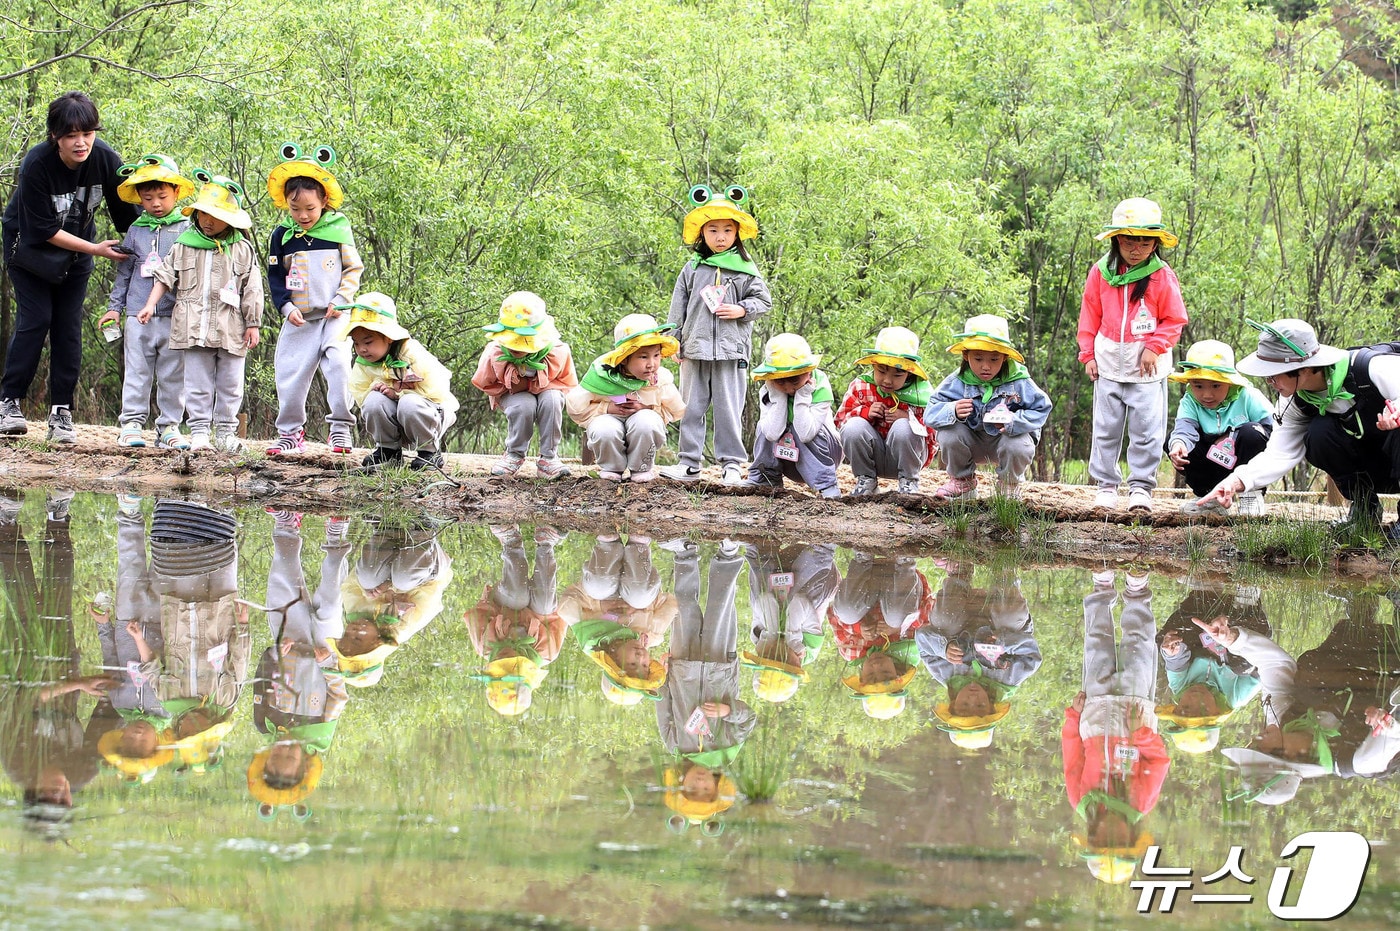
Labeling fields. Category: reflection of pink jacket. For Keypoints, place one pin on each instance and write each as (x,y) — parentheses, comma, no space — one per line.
(1104,312)
(1140,760)
(496,377)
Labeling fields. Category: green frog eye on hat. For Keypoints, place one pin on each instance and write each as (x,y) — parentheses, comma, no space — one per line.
(220,197)
(709,204)
(316,165)
(153,167)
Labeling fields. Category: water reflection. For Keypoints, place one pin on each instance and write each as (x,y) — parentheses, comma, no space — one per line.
(790,590)
(882,601)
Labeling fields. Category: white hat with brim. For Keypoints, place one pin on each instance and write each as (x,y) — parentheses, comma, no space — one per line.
(374,312)
(220,198)
(1209,360)
(1138,216)
(1277,779)
(1286,346)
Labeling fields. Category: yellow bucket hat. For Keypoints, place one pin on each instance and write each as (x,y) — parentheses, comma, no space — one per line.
(153,167)
(291,795)
(1137,216)
(1209,360)
(523,324)
(971,732)
(363,670)
(132,768)
(710,205)
(511,683)
(1191,734)
(622,689)
(374,312)
(221,198)
(202,750)
(773,680)
(897,347)
(316,165)
(635,331)
(1113,865)
(987,332)
(693,811)
(785,355)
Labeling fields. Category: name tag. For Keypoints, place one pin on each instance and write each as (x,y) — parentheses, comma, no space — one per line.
(1213,645)
(1001,414)
(296,281)
(229,294)
(698,725)
(1124,753)
(150,264)
(989,653)
(787,448)
(1222,453)
(713,296)
(1143,322)
(780,580)
(916,425)
(216,656)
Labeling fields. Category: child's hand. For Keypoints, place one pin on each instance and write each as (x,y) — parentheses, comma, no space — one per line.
(1091,368)
(333,311)
(524,371)
(1225,492)
(1172,643)
(1078,703)
(730,312)
(133,630)
(322,654)
(110,316)
(954,653)
(1177,454)
(1219,629)
(386,390)
(715,709)
(877,412)
(144,317)
(296,318)
(624,409)
(95,685)
(250,337)
(1389,418)
(1147,363)
(963,409)
(893,413)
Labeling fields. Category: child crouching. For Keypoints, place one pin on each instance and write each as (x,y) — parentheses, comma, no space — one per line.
(796,435)
(989,410)
(882,416)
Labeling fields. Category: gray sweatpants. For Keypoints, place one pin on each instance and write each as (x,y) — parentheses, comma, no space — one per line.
(617,570)
(720,387)
(411,421)
(893,584)
(900,454)
(301,350)
(525,412)
(961,447)
(519,589)
(711,635)
(295,614)
(404,566)
(1126,667)
(1140,408)
(148,356)
(213,389)
(630,444)
(816,463)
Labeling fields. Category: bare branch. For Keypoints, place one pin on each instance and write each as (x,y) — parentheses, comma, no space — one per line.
(105,30)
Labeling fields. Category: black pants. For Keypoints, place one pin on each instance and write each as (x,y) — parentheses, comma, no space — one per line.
(46,310)
(1203,475)
(1361,466)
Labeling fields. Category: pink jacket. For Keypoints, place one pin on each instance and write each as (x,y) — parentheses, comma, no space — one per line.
(1106,323)
(496,377)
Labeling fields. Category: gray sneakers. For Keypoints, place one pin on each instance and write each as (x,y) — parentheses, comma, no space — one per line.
(61,428)
(12,422)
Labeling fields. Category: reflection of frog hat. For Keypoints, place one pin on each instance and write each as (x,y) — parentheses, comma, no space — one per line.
(374,312)
(622,689)
(203,751)
(523,325)
(712,205)
(881,700)
(784,356)
(132,768)
(511,683)
(153,167)
(971,732)
(1113,865)
(636,331)
(316,166)
(694,812)
(989,333)
(221,198)
(773,680)
(363,670)
(1191,735)
(897,347)
(292,795)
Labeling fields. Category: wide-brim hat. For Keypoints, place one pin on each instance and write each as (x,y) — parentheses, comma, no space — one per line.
(1193,739)
(523,324)
(1138,216)
(375,312)
(198,748)
(1113,865)
(773,680)
(656,674)
(1175,721)
(221,198)
(1277,779)
(989,333)
(153,167)
(291,795)
(357,665)
(970,722)
(1209,360)
(895,686)
(1286,346)
(315,166)
(714,205)
(697,812)
(784,356)
(135,768)
(511,683)
(897,347)
(636,331)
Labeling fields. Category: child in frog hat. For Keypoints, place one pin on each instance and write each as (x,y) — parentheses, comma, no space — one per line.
(627,397)
(404,393)
(1222,421)
(212,270)
(156,184)
(525,371)
(139,748)
(881,418)
(796,436)
(313,273)
(790,589)
(879,606)
(989,410)
(516,625)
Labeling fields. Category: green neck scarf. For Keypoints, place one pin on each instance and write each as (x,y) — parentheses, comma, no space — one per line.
(1320,732)
(196,239)
(915,392)
(1011,371)
(390,360)
(332,227)
(158,223)
(535,360)
(1136,273)
(730,260)
(1112,803)
(594,634)
(524,648)
(715,758)
(608,383)
(996,691)
(314,737)
(1336,374)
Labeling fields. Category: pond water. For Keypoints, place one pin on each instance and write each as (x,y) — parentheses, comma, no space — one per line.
(265,720)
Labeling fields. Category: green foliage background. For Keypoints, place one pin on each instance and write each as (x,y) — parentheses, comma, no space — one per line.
(912,162)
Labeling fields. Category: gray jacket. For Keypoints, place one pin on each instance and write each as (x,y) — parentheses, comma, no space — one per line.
(705,337)
(131,288)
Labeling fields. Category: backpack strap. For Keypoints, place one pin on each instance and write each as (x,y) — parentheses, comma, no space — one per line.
(1359,371)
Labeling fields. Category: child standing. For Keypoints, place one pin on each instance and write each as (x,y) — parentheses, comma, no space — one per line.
(718,296)
(627,398)
(796,435)
(989,410)
(882,416)
(218,308)
(313,269)
(1222,421)
(403,391)
(1130,318)
(524,371)
(157,185)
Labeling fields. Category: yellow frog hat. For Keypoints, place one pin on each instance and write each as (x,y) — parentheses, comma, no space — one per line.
(201,752)
(523,324)
(374,312)
(221,198)
(511,684)
(635,331)
(316,165)
(708,204)
(1138,216)
(1113,865)
(1209,360)
(622,689)
(897,347)
(153,167)
(292,795)
(134,768)
(987,332)
(773,679)
(881,700)
(785,355)
(690,811)
(365,669)
(971,732)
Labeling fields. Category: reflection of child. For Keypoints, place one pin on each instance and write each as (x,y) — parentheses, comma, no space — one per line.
(990,410)
(1115,761)
(796,436)
(789,592)
(881,418)
(627,398)
(980,644)
(516,626)
(879,606)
